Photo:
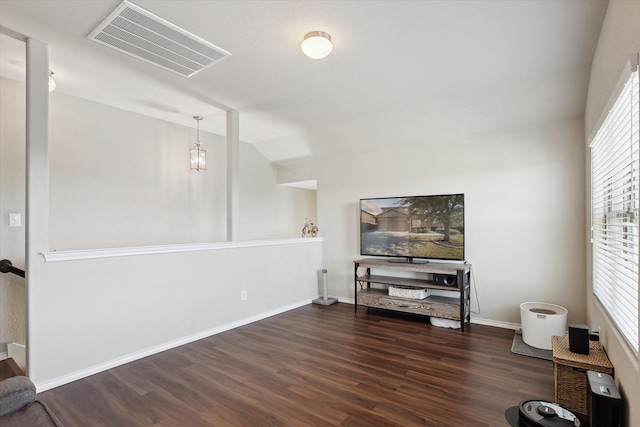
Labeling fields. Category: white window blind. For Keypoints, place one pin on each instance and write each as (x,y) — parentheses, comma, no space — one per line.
(615,180)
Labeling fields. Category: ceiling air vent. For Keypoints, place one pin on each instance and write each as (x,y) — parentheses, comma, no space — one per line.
(143,35)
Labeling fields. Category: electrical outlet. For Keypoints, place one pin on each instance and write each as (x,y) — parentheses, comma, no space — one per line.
(243,295)
(15,220)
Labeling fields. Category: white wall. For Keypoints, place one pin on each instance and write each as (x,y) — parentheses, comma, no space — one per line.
(524,204)
(12,200)
(268,210)
(122,179)
(619,39)
(93,314)
(119,179)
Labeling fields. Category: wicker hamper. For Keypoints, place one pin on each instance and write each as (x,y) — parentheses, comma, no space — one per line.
(570,373)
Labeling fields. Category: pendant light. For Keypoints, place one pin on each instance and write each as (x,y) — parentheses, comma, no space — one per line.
(198,154)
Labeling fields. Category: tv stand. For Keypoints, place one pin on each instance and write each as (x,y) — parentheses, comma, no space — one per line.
(377,296)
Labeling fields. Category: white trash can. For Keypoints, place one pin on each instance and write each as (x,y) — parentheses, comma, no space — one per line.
(540,321)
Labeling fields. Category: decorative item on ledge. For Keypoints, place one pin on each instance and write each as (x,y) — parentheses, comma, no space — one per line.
(198,154)
(309,228)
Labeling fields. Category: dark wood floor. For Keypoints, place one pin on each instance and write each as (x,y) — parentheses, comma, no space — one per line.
(316,366)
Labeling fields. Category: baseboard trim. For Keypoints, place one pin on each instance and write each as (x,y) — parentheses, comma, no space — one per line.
(83,373)
(495,323)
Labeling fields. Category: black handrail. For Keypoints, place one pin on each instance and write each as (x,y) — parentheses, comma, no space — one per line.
(7,267)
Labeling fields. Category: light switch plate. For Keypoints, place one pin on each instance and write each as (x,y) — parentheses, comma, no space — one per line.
(15,220)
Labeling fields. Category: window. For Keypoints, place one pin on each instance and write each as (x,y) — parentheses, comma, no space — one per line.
(615,191)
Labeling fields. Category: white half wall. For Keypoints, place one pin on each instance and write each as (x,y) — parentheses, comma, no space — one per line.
(93,314)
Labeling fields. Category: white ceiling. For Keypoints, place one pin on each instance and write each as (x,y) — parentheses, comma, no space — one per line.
(455,67)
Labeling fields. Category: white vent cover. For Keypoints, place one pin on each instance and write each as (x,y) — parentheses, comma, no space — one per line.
(143,35)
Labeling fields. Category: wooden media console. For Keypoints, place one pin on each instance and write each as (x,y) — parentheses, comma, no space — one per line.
(391,273)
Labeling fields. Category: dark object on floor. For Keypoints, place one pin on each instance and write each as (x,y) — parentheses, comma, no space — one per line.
(538,413)
(19,407)
(605,402)
(520,347)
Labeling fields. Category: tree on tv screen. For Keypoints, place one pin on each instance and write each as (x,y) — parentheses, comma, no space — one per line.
(447,210)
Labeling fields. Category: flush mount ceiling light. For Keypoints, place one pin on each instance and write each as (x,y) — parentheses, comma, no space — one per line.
(198,155)
(317,44)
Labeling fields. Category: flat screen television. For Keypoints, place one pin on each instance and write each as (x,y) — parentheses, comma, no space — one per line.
(413,227)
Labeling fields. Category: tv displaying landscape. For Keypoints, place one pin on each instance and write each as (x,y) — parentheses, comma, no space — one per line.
(423,227)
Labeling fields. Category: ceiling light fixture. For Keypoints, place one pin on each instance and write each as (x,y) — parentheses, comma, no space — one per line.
(198,155)
(317,44)
(52,83)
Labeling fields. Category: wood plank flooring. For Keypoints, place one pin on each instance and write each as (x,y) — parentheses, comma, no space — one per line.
(9,368)
(316,366)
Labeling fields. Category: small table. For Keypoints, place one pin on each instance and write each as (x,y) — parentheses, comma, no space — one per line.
(9,368)
(570,373)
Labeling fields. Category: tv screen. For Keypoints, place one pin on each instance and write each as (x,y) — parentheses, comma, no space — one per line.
(427,227)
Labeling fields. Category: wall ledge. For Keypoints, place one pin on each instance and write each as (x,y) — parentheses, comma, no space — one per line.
(56,256)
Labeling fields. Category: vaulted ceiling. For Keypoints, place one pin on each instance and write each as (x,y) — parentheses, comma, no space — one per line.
(456,67)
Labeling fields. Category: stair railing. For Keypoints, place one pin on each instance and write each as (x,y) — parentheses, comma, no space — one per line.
(7,267)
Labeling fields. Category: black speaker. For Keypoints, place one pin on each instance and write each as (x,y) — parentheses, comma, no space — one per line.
(444,279)
(579,338)
(604,401)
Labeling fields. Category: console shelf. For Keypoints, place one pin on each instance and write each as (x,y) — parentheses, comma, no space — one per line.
(454,308)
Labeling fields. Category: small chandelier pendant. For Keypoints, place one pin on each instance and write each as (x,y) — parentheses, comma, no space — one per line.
(198,154)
